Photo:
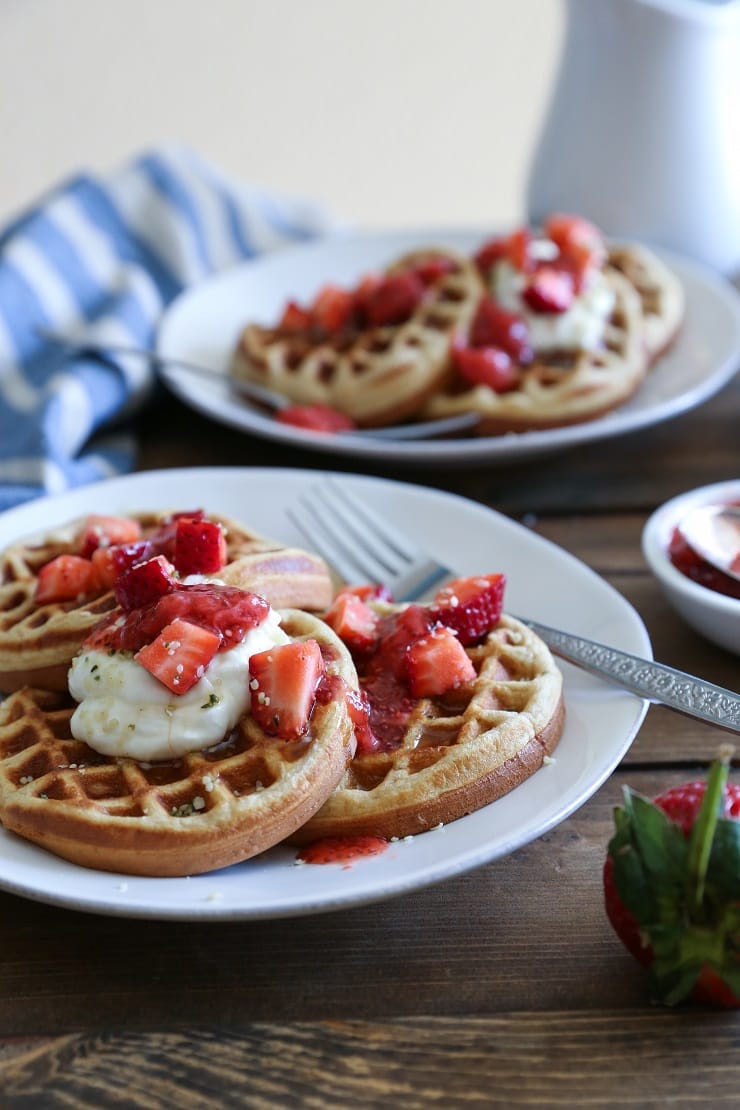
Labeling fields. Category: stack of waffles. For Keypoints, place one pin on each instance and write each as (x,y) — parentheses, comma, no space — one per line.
(470,711)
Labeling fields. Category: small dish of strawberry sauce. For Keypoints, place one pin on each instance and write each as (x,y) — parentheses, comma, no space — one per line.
(706,598)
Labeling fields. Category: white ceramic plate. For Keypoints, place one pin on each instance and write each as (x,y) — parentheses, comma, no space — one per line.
(202,325)
(544,582)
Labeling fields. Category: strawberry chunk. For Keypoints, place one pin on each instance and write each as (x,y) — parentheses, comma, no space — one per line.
(317,418)
(332,308)
(145,583)
(437,663)
(200,546)
(354,622)
(180,654)
(471,607)
(550,290)
(110,562)
(433,268)
(103,531)
(369,591)
(294,318)
(394,299)
(516,249)
(493,326)
(65,578)
(574,234)
(486,366)
(283,687)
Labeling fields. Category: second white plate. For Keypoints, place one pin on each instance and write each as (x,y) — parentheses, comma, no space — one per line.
(202,326)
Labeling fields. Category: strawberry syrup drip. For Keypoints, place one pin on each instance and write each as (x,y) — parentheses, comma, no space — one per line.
(342,849)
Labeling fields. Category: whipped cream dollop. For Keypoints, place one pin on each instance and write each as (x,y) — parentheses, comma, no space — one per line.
(124,711)
(581,327)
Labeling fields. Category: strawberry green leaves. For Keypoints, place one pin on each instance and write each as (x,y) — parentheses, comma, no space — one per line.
(680,889)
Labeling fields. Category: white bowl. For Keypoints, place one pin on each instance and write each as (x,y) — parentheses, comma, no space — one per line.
(714,615)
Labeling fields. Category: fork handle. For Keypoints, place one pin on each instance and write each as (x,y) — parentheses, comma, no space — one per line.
(654,681)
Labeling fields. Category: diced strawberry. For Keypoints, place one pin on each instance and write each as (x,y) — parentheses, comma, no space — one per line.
(486,366)
(493,326)
(394,299)
(364,290)
(103,531)
(180,654)
(65,578)
(576,234)
(332,308)
(490,253)
(550,290)
(316,418)
(370,591)
(200,547)
(396,632)
(433,268)
(110,562)
(294,318)
(437,663)
(354,622)
(471,607)
(145,583)
(283,687)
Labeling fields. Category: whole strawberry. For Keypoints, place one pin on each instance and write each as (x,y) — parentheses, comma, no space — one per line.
(672,887)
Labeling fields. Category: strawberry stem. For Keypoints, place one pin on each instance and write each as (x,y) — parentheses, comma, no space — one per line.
(705,826)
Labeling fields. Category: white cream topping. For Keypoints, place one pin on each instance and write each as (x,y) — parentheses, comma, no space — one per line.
(124,711)
(580,327)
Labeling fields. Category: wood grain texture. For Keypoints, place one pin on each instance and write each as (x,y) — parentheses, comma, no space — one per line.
(562,1059)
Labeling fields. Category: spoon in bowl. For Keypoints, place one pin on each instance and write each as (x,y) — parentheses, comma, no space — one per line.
(713,531)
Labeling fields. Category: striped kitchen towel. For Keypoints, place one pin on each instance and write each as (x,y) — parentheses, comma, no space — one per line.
(105,256)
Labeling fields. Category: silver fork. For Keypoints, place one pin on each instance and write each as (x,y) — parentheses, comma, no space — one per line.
(362,547)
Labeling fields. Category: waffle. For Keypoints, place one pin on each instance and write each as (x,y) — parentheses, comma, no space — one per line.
(561,387)
(458,753)
(661,295)
(203,811)
(375,375)
(38,642)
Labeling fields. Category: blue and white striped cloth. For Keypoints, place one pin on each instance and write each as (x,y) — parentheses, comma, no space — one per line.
(105,257)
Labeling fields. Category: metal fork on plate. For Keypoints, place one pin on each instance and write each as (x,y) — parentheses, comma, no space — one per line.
(363,547)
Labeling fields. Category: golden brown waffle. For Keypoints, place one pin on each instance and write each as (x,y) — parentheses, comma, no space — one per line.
(661,295)
(459,752)
(203,811)
(38,642)
(561,387)
(377,375)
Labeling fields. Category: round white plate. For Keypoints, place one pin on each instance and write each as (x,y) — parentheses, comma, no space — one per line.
(202,326)
(543,582)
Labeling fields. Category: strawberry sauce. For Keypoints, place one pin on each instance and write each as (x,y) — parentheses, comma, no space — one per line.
(225,610)
(342,849)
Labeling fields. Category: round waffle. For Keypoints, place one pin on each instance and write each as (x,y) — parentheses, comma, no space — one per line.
(459,752)
(561,387)
(38,642)
(376,375)
(203,811)
(661,295)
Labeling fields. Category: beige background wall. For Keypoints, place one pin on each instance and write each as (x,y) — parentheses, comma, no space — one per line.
(391,112)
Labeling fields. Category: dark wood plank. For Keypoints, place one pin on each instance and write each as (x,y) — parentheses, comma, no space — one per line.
(576,1059)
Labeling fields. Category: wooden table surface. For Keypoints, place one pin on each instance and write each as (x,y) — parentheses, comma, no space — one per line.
(502,987)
